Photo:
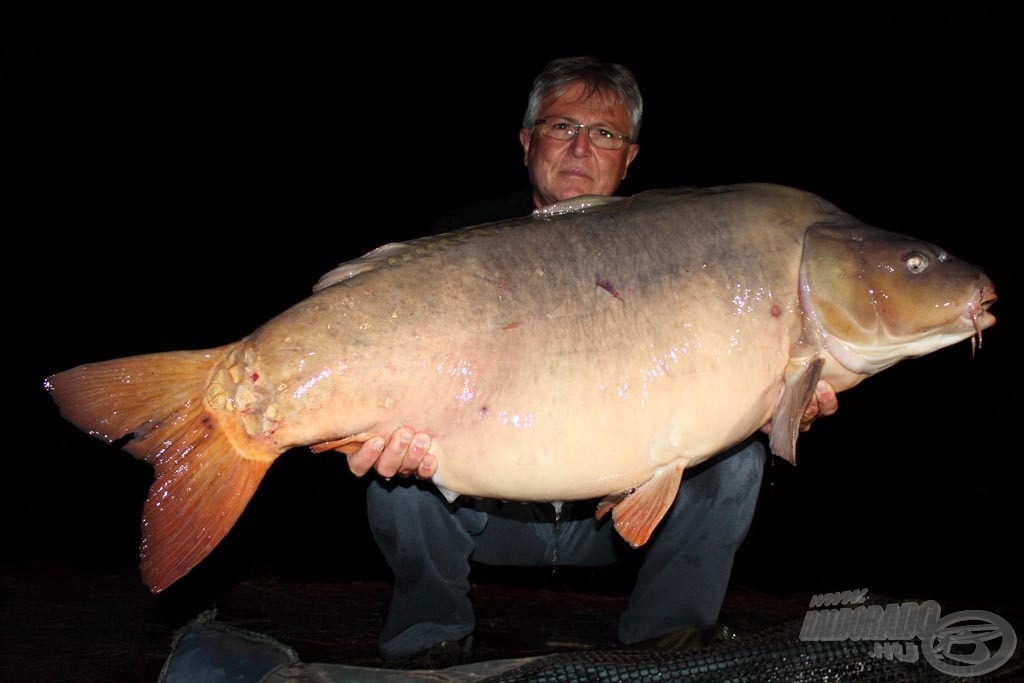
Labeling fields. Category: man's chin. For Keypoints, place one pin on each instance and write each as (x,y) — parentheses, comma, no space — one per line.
(570,190)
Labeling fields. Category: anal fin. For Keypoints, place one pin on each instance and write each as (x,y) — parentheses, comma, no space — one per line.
(349,445)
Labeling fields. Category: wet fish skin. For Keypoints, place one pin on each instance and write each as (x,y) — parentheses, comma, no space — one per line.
(578,354)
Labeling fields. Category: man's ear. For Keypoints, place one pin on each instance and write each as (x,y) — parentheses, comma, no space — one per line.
(634,149)
(524,139)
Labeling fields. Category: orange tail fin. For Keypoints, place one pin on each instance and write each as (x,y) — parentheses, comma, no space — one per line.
(205,471)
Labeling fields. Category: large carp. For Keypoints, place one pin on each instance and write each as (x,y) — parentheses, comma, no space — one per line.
(595,349)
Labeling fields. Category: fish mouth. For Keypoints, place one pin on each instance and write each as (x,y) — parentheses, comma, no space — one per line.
(977,313)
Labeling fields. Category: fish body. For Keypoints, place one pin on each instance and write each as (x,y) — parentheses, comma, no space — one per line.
(593,351)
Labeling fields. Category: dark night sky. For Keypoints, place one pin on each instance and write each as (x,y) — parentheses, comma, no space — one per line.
(183,172)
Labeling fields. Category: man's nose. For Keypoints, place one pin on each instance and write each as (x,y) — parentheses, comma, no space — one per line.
(580,144)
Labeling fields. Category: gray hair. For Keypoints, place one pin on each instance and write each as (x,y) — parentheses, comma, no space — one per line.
(597,76)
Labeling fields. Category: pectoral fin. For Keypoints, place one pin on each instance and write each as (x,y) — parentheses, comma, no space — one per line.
(637,512)
(800,381)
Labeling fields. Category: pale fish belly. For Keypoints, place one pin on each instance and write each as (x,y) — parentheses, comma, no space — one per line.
(589,428)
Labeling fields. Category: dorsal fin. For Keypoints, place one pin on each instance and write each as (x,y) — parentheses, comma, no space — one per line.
(574,205)
(369,261)
(396,253)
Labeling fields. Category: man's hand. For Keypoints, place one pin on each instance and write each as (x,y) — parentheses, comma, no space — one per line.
(822,404)
(404,454)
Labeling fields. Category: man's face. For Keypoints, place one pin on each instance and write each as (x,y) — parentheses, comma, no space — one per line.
(562,169)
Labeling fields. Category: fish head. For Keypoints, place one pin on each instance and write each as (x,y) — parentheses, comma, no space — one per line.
(875,297)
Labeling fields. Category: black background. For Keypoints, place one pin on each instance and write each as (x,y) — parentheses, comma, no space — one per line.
(178,173)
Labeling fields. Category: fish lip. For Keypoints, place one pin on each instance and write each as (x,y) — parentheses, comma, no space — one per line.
(976,312)
(987,296)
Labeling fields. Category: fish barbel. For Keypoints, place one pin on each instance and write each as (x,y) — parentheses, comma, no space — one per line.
(594,350)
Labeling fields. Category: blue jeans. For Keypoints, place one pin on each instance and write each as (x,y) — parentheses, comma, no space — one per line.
(681,582)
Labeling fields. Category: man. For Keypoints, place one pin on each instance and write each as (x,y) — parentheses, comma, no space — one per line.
(579,136)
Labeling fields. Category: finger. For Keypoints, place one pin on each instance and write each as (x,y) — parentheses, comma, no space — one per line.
(427,467)
(360,462)
(822,404)
(391,459)
(414,454)
(828,402)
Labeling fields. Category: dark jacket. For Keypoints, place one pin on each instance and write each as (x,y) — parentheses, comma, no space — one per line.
(512,205)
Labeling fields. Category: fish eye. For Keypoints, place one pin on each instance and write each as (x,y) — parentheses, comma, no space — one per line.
(915,262)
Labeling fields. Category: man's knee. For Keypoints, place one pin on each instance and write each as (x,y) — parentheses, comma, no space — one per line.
(741,466)
(404,499)
(730,477)
(751,458)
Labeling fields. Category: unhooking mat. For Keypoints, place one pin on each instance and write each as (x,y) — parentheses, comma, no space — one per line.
(208,651)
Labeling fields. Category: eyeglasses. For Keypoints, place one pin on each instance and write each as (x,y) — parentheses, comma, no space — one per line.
(563,129)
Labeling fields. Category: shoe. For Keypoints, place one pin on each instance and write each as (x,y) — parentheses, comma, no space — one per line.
(440,656)
(690,639)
